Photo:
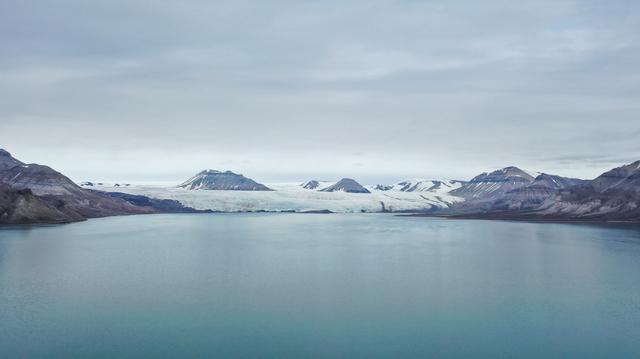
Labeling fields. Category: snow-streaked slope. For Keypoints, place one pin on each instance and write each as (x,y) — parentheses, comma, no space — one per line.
(492,185)
(441,187)
(346,185)
(292,197)
(314,185)
(218,180)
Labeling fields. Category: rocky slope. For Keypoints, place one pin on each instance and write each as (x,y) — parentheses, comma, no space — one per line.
(614,195)
(222,181)
(46,182)
(531,196)
(488,186)
(41,180)
(621,178)
(7,161)
(346,185)
(33,193)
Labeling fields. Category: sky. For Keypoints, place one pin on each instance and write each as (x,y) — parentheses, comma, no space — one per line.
(155,91)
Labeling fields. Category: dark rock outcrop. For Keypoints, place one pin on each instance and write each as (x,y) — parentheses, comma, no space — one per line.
(21,206)
(222,181)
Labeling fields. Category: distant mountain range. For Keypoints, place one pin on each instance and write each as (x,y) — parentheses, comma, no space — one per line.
(32,193)
(507,193)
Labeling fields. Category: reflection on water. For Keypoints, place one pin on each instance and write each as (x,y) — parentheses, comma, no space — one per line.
(293,285)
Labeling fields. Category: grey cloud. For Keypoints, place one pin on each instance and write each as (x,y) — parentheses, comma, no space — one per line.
(401,88)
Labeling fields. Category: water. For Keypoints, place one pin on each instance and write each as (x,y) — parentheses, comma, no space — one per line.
(291,286)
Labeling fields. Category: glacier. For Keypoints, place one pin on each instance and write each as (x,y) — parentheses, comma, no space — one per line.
(290,196)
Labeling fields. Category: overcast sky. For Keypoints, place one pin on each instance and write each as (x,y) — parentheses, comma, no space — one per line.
(140,91)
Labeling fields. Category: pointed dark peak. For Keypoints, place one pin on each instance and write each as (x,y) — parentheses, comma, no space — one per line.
(504,174)
(348,185)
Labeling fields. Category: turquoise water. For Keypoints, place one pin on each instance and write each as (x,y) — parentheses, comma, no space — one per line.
(292,286)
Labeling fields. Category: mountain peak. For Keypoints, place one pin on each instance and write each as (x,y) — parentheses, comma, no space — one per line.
(496,183)
(513,171)
(7,161)
(348,185)
(225,181)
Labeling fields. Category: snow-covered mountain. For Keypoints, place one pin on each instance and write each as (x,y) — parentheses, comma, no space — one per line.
(346,185)
(227,181)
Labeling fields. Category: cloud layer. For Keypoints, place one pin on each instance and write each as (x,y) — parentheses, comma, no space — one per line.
(379,90)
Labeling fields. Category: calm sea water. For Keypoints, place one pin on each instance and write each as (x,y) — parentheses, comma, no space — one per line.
(292,286)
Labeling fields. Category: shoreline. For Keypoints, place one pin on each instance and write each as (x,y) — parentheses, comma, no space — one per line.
(327,212)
